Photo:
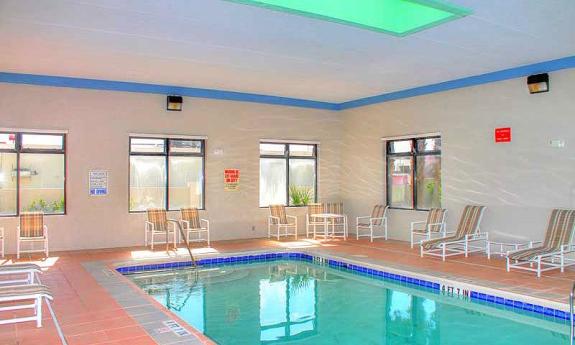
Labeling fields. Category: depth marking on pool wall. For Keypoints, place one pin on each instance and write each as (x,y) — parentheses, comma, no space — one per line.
(455,291)
(176,328)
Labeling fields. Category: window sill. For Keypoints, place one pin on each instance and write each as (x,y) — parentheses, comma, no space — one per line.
(302,206)
(409,209)
(45,215)
(168,211)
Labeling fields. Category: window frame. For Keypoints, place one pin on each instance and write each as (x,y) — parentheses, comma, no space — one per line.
(167,154)
(19,150)
(413,154)
(286,156)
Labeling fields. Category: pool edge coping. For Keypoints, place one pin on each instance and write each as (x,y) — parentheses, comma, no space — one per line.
(484,293)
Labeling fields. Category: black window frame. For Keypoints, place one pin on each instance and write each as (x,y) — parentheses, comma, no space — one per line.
(167,154)
(18,150)
(413,154)
(286,156)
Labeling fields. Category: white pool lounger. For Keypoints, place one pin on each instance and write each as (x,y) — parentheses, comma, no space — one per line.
(29,270)
(20,293)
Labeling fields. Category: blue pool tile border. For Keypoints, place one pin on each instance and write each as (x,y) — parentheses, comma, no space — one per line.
(474,296)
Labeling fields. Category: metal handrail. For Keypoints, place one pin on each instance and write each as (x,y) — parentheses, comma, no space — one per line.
(194,264)
(571,295)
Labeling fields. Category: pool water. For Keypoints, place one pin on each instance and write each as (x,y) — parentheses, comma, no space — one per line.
(303,303)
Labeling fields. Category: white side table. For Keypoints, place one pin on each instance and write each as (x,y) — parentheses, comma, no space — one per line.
(502,248)
(326,220)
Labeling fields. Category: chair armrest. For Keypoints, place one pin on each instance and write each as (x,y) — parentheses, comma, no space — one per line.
(291,217)
(428,228)
(45,227)
(149,225)
(207,222)
(531,243)
(413,224)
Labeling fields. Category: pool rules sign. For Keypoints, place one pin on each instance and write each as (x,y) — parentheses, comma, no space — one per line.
(98,182)
(231,180)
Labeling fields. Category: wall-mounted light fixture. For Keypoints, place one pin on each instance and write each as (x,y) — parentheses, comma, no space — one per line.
(538,83)
(174,103)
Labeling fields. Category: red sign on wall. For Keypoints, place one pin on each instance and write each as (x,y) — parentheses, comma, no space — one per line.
(503,135)
(231,179)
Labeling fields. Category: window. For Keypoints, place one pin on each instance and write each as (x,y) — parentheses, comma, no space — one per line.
(288,172)
(166,173)
(32,173)
(414,173)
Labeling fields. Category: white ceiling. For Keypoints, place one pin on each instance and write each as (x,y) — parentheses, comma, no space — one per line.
(222,45)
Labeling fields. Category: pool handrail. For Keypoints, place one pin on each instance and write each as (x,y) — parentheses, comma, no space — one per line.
(571,295)
(194,264)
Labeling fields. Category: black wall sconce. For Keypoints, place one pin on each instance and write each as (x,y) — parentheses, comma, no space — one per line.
(174,103)
(538,83)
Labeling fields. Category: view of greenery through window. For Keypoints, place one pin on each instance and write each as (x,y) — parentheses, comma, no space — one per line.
(32,173)
(287,174)
(414,173)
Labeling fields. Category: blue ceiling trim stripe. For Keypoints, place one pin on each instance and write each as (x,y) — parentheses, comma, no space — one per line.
(511,73)
(95,84)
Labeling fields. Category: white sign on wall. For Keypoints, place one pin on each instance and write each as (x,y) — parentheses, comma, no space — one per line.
(98,181)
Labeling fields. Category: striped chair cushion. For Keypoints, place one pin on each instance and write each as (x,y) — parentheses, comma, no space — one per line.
(559,232)
(335,208)
(315,209)
(435,215)
(192,216)
(157,216)
(278,211)
(379,211)
(469,222)
(468,225)
(18,291)
(32,224)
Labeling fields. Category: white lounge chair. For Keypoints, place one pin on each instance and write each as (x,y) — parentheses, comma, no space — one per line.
(551,254)
(283,224)
(433,226)
(32,230)
(159,224)
(377,220)
(195,227)
(467,239)
(18,293)
(30,271)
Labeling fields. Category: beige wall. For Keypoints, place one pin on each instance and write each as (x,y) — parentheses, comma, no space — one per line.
(519,182)
(98,124)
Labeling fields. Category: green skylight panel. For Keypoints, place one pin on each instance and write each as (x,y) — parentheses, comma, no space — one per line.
(396,17)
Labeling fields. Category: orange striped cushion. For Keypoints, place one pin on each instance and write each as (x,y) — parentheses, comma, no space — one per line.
(279,211)
(435,215)
(32,224)
(192,216)
(157,216)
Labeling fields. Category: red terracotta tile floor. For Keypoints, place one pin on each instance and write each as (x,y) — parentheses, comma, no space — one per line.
(89,315)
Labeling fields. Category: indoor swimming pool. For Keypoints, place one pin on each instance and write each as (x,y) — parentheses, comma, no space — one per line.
(301,302)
